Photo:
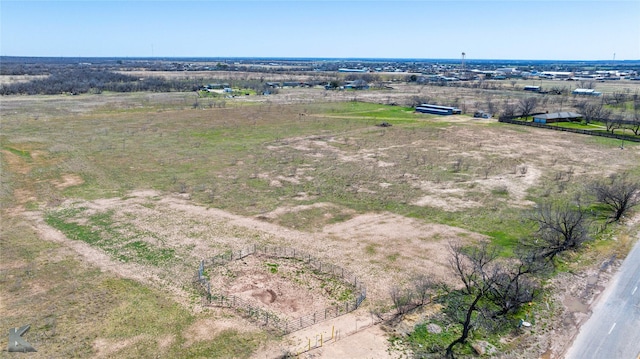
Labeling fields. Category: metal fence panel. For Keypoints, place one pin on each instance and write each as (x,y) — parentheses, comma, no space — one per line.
(264,317)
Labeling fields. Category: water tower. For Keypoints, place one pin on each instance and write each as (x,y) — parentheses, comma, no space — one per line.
(462,67)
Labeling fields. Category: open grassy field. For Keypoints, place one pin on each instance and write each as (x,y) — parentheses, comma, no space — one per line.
(109,202)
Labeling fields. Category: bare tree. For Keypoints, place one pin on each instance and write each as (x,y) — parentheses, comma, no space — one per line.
(401,299)
(418,100)
(508,109)
(423,287)
(586,84)
(613,122)
(492,287)
(619,195)
(617,98)
(527,105)
(472,269)
(635,118)
(407,299)
(592,111)
(491,107)
(561,227)
(516,284)
(559,90)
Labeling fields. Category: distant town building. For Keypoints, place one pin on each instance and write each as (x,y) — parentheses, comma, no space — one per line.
(556,75)
(353,70)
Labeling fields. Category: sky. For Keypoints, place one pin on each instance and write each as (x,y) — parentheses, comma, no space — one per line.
(418,29)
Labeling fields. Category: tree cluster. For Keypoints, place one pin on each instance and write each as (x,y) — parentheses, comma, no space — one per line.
(83,80)
(495,288)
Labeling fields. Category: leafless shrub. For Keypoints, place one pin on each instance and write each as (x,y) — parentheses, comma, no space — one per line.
(619,195)
(401,299)
(561,227)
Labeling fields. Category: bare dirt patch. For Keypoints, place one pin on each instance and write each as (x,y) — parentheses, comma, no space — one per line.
(108,348)
(68,180)
(285,287)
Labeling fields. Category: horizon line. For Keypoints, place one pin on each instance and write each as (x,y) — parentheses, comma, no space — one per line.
(307,58)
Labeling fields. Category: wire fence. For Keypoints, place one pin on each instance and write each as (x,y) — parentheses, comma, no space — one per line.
(574,130)
(265,317)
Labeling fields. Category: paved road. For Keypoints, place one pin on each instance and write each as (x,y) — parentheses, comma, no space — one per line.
(613,330)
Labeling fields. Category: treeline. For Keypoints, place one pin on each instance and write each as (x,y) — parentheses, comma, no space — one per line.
(87,80)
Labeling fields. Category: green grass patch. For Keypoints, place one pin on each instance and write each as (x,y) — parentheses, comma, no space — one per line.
(145,252)
(22,153)
(421,341)
(101,231)
(272,267)
(228,343)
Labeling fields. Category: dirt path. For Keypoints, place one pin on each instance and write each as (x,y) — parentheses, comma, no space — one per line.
(354,335)
(359,245)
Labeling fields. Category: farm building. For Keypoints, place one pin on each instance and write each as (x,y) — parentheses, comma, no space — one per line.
(438,110)
(556,117)
(586,92)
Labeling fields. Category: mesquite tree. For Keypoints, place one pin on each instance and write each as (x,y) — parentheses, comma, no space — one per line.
(619,195)
(561,227)
(493,287)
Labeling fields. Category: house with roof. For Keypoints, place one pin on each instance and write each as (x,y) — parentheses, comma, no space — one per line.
(556,117)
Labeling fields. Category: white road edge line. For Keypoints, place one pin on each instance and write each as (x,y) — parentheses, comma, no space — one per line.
(610,330)
(634,290)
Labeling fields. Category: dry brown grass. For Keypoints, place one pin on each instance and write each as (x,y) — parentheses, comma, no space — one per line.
(301,168)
